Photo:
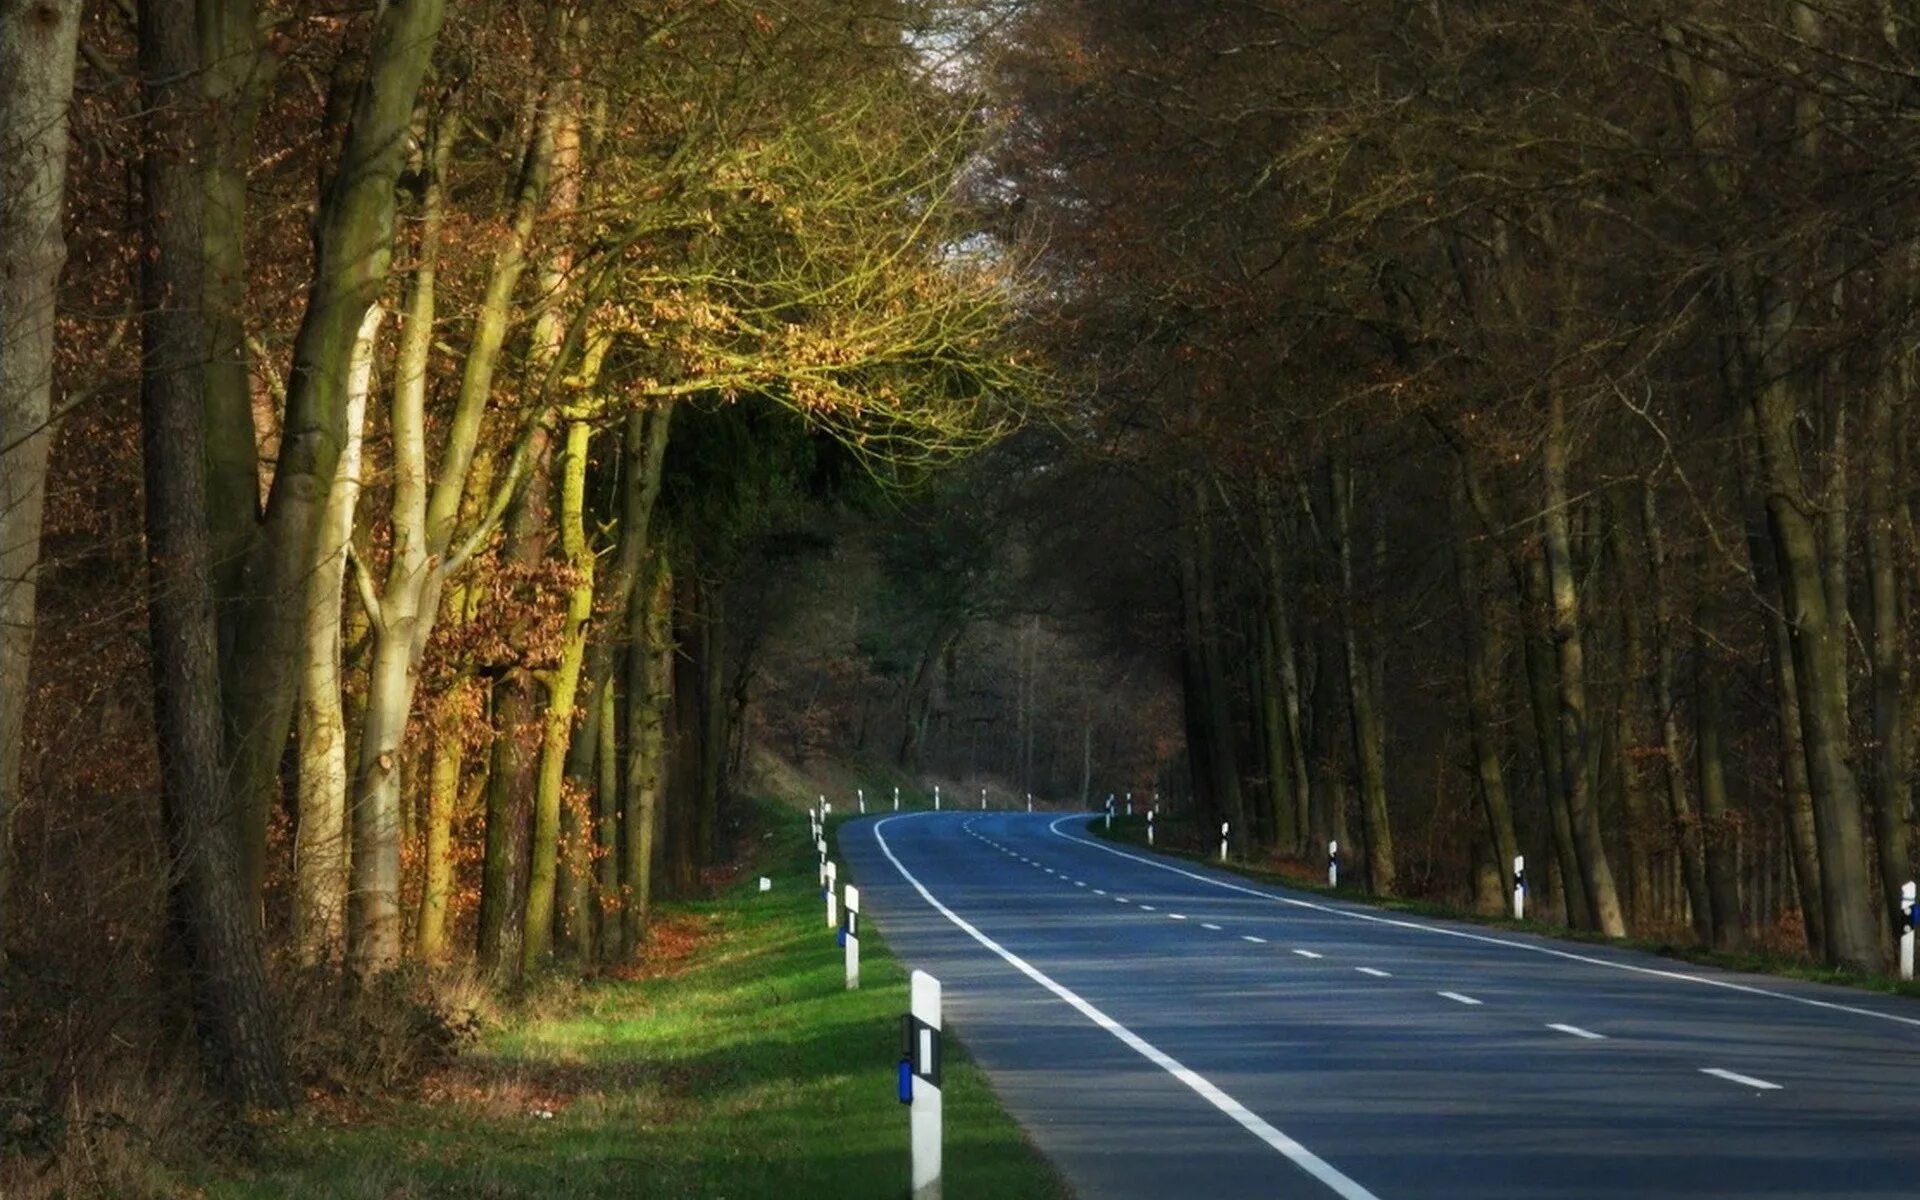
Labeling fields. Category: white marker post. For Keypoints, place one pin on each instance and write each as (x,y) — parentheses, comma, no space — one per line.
(1223,841)
(1149,827)
(861,795)
(1129,803)
(896,799)
(1333,864)
(983,799)
(1519,887)
(1029,801)
(1109,811)
(826,808)
(820,846)
(766,885)
(920,1082)
(833,895)
(936,797)
(850,937)
(1906,930)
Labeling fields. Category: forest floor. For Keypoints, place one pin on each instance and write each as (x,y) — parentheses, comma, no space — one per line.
(732,1063)
(1177,837)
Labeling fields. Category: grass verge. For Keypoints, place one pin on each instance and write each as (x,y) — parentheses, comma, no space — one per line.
(1176,838)
(741,1069)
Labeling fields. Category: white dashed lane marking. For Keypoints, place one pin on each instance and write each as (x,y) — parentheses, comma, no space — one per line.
(1376,972)
(1576,1031)
(1457,998)
(1210,925)
(1308,954)
(1258,941)
(1759,1085)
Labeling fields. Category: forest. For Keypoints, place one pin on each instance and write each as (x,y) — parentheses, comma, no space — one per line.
(458,456)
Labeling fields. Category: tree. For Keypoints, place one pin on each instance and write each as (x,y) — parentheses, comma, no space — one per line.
(38,43)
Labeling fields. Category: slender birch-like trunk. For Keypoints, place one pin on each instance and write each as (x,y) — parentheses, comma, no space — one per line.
(322,837)
(38,43)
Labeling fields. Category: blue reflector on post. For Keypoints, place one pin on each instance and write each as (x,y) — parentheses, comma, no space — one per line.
(906,1081)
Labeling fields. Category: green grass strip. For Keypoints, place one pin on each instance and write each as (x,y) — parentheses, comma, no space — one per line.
(748,1072)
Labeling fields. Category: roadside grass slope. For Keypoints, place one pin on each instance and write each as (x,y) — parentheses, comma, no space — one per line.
(736,1067)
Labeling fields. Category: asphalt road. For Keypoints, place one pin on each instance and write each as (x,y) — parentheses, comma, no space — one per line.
(1164,1030)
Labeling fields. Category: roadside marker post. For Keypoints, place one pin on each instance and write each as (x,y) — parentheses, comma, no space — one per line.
(766,885)
(1129,803)
(833,895)
(1029,801)
(983,799)
(920,1082)
(1519,887)
(1109,810)
(1906,932)
(1149,827)
(861,795)
(826,808)
(850,935)
(1333,864)
(896,799)
(936,797)
(820,845)
(1223,839)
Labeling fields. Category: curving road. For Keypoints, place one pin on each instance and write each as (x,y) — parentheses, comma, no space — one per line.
(1165,1030)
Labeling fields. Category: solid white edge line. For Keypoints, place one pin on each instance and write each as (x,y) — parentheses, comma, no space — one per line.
(1578,1032)
(1294,1152)
(1457,998)
(1759,1085)
(1467,936)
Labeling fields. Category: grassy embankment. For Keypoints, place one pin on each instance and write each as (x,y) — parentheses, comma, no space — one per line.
(740,1068)
(1175,836)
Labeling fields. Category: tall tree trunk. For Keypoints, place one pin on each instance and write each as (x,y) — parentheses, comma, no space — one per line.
(560,718)
(1369,733)
(237,70)
(321,841)
(606,800)
(1281,819)
(649,692)
(38,42)
(1542,681)
(353,247)
(1892,759)
(1630,728)
(1294,793)
(1582,809)
(1796,788)
(1817,641)
(213,916)
(1686,827)
(546,353)
(1215,719)
(1723,879)
(505,873)
(1086,751)
(1483,656)
(643,456)
(712,708)
(429,550)
(436,886)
